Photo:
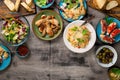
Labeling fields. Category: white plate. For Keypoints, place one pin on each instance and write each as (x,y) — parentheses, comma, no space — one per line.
(92,38)
(113,60)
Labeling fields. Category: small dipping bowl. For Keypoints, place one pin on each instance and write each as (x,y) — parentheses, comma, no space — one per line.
(22,51)
(114,59)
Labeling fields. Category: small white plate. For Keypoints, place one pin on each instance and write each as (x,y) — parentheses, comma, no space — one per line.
(92,38)
(113,60)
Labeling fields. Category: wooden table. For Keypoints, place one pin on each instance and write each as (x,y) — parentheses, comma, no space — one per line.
(51,60)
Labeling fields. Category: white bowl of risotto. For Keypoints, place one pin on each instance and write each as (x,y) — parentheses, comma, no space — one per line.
(79,39)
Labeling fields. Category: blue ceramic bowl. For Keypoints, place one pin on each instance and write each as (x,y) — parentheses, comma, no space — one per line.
(23,19)
(46,6)
(98,29)
(69,19)
(17,53)
(7,61)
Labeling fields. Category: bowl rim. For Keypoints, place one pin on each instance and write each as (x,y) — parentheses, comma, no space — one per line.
(113,60)
(46,6)
(42,38)
(92,39)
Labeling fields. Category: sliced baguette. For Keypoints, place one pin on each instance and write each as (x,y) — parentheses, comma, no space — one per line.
(10,5)
(111,5)
(17,4)
(26,7)
(100,3)
(29,2)
(92,4)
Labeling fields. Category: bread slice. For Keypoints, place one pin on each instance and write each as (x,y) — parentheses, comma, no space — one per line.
(29,2)
(26,7)
(100,3)
(10,5)
(17,4)
(91,3)
(111,5)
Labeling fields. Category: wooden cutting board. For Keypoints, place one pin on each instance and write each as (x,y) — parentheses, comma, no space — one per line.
(4,10)
(115,12)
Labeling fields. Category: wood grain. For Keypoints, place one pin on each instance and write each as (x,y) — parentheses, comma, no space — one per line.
(51,60)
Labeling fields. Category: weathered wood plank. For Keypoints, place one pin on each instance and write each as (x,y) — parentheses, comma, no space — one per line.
(51,60)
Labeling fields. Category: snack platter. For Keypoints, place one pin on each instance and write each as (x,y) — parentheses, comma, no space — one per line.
(61,40)
(114,12)
(5,10)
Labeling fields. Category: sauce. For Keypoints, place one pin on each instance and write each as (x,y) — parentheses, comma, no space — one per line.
(22,50)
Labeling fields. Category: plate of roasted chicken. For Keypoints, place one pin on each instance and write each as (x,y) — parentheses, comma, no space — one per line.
(108,30)
(47,25)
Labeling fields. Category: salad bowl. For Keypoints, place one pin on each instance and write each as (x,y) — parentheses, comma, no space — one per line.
(15,30)
(44,3)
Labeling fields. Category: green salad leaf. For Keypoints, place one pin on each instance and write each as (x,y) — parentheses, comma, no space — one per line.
(74,28)
(11,19)
(14,25)
(3,28)
(108,20)
(80,40)
(70,4)
(41,2)
(84,32)
(116,71)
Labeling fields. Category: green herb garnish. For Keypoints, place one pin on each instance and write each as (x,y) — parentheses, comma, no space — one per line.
(11,19)
(70,3)
(41,2)
(84,32)
(108,20)
(75,28)
(80,40)
(116,71)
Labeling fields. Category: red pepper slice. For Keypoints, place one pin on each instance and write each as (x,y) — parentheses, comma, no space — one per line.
(111,27)
(115,33)
(107,39)
(103,26)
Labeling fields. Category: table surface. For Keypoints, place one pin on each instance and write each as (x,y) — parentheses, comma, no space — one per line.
(51,60)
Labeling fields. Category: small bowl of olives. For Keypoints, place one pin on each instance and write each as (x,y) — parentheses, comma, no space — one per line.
(106,56)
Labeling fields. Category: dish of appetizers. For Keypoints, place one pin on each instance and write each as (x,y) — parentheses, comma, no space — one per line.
(104,4)
(108,30)
(44,3)
(72,9)
(5,57)
(106,56)
(15,31)
(15,5)
(47,25)
(77,38)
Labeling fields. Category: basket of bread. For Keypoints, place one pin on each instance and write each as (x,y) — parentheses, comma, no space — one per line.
(110,7)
